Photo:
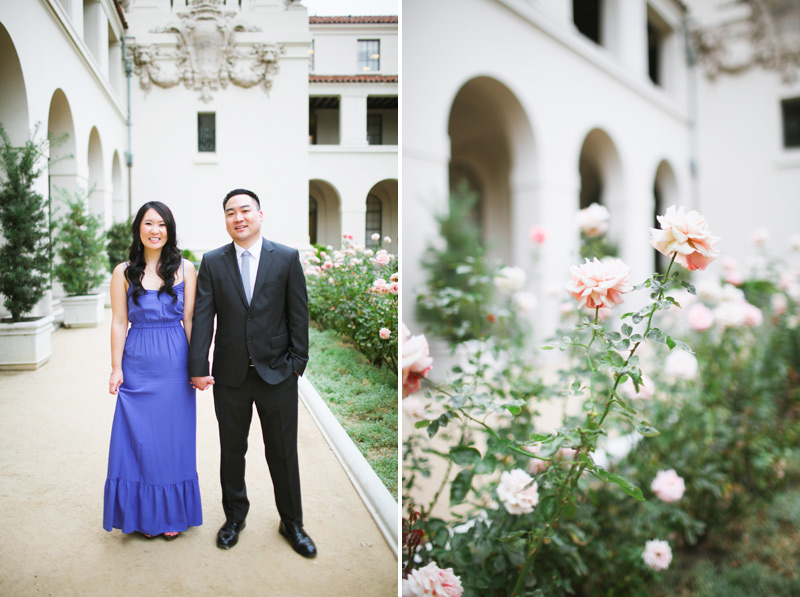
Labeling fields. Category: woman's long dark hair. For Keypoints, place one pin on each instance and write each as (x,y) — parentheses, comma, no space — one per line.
(170,259)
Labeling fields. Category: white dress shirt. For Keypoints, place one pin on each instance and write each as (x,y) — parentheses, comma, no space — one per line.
(255,256)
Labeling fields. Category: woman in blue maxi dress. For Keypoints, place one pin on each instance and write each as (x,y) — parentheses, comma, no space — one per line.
(152,485)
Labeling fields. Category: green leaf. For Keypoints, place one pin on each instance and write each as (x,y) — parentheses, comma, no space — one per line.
(627,329)
(538,437)
(626,485)
(646,429)
(421,424)
(464,455)
(460,486)
(514,410)
(486,466)
(670,343)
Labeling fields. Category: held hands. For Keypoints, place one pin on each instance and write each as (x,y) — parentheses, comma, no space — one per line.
(201,383)
(115,382)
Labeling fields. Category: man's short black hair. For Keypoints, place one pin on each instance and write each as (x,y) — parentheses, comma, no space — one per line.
(235,192)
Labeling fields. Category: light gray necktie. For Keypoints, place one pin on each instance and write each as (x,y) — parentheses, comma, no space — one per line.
(246,275)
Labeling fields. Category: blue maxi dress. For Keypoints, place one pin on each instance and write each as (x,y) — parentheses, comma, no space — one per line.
(152,485)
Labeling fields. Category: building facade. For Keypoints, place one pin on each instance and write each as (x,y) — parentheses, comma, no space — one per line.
(636,105)
(218,94)
(556,108)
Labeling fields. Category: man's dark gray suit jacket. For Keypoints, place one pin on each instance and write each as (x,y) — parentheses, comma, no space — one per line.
(272,332)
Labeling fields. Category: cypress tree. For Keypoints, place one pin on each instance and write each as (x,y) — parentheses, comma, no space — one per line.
(25,257)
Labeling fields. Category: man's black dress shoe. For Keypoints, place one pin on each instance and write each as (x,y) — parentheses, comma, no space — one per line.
(228,535)
(300,541)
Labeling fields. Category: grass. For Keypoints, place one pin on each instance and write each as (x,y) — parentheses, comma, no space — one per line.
(362,397)
(755,555)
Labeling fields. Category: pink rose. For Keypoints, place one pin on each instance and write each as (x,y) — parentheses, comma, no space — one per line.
(432,581)
(657,554)
(599,283)
(538,235)
(394,288)
(382,257)
(347,236)
(593,221)
(752,316)
(385,333)
(779,303)
(380,286)
(518,492)
(686,236)
(535,465)
(416,361)
(668,486)
(700,317)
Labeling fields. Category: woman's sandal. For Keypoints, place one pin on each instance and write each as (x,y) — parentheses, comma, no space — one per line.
(170,535)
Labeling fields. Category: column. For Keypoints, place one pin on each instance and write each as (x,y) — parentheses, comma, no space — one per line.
(353,123)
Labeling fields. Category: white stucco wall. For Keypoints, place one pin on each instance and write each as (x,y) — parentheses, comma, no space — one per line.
(559,86)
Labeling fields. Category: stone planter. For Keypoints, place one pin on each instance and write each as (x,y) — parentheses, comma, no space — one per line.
(26,344)
(83,311)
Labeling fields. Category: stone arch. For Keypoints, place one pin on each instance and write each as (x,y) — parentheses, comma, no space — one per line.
(665,193)
(119,208)
(99,199)
(14,114)
(385,192)
(63,165)
(600,172)
(492,149)
(328,212)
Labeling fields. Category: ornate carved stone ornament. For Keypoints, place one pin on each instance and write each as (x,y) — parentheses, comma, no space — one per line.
(207,56)
(768,36)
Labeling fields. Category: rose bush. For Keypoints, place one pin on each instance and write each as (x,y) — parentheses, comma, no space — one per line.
(694,441)
(355,291)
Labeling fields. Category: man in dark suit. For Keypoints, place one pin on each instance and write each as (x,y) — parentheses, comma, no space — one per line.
(257,290)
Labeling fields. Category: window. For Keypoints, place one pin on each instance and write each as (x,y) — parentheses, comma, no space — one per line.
(373,220)
(653,54)
(312,220)
(311,54)
(206,132)
(586,16)
(791,122)
(369,55)
(323,120)
(374,129)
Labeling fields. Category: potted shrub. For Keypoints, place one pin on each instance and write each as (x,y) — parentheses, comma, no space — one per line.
(24,255)
(118,240)
(81,264)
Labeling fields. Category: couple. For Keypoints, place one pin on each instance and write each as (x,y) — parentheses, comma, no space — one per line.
(256,290)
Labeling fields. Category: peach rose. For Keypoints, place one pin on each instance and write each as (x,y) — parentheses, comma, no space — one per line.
(385,333)
(686,236)
(599,283)
(432,581)
(416,361)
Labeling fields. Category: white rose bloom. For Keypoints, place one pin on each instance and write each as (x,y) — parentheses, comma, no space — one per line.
(657,554)
(680,365)
(510,278)
(526,302)
(593,221)
(518,492)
